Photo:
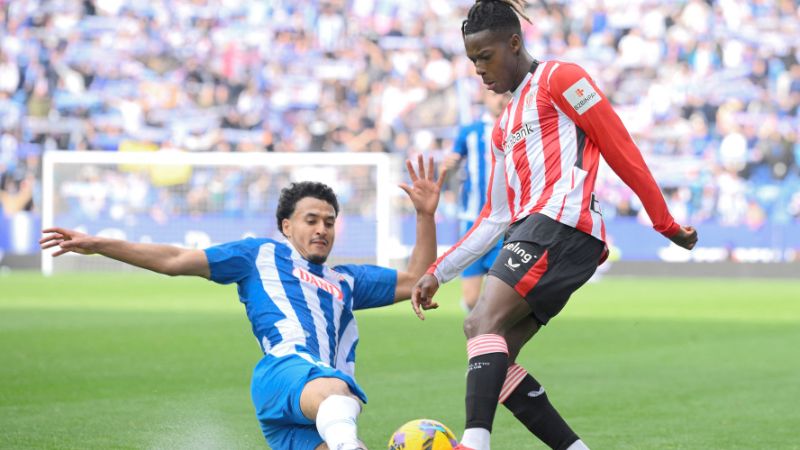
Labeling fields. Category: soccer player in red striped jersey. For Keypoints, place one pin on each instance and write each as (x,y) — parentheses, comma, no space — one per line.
(546,148)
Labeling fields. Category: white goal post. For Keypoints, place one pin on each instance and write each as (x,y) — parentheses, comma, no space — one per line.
(200,199)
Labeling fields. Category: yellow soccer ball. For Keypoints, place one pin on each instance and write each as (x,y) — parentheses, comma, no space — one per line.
(423,434)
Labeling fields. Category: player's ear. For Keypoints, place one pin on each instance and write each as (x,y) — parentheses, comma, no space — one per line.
(515,43)
(286,227)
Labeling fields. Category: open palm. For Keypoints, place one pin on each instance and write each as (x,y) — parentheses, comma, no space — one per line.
(425,187)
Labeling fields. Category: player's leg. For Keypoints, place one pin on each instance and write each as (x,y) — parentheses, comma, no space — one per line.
(291,395)
(470,290)
(569,264)
(330,403)
(324,446)
(473,277)
(526,398)
(496,313)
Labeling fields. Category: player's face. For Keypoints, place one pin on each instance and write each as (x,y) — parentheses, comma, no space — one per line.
(495,103)
(311,229)
(495,57)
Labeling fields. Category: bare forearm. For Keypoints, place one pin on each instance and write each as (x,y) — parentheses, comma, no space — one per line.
(424,252)
(165,259)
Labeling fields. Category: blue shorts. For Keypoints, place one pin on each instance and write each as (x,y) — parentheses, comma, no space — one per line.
(276,388)
(482,265)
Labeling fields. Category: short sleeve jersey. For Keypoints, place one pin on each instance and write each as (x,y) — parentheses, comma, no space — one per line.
(296,306)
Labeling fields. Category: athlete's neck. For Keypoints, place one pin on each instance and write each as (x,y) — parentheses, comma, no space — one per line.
(523,67)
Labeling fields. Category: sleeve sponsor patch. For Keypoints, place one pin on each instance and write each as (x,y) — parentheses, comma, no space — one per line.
(582,96)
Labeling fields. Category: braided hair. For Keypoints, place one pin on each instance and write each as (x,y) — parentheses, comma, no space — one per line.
(494,15)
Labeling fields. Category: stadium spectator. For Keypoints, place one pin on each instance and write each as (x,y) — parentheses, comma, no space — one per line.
(237,75)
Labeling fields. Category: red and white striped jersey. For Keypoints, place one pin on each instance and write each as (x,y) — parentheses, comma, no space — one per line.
(545,154)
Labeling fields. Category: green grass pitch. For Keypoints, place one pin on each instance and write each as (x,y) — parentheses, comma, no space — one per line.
(148,362)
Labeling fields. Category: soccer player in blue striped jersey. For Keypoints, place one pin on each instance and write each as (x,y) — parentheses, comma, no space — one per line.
(301,310)
(472,149)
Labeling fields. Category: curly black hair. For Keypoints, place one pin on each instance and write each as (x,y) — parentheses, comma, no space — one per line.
(494,15)
(297,191)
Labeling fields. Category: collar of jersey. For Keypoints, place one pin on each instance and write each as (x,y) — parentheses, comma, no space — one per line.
(297,255)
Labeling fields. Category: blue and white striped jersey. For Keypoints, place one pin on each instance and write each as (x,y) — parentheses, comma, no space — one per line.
(474,145)
(298,307)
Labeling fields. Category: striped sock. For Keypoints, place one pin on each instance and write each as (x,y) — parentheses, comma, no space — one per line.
(488,362)
(527,400)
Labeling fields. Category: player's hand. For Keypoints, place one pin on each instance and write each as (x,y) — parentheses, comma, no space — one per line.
(68,241)
(422,294)
(424,189)
(686,237)
(451,161)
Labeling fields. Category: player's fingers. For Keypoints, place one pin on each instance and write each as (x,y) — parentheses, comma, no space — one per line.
(421,165)
(431,172)
(46,245)
(56,230)
(415,299)
(60,252)
(421,301)
(411,173)
(49,237)
(405,187)
(426,293)
(418,312)
(691,237)
(53,235)
(442,174)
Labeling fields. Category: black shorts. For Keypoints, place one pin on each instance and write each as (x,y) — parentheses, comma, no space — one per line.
(546,261)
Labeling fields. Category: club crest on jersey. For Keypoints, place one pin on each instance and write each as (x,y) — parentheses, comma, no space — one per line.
(582,96)
(320,283)
(530,98)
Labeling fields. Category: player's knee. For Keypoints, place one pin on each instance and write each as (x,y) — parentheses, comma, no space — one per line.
(321,388)
(335,386)
(477,324)
(469,327)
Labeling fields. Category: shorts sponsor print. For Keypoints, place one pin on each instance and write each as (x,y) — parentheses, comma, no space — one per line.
(545,262)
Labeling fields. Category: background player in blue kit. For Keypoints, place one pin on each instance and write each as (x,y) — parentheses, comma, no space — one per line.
(472,149)
(301,310)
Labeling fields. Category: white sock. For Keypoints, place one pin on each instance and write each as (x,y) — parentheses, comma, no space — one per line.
(336,422)
(476,438)
(578,445)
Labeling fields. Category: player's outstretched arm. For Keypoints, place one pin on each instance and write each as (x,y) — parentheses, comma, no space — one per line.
(577,95)
(165,259)
(424,194)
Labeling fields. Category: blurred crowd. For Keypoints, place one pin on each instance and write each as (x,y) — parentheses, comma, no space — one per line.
(710,90)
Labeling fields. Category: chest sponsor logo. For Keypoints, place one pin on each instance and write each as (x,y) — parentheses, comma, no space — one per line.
(582,96)
(526,130)
(320,283)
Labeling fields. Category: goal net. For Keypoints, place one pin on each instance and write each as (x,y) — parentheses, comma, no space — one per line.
(195,200)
